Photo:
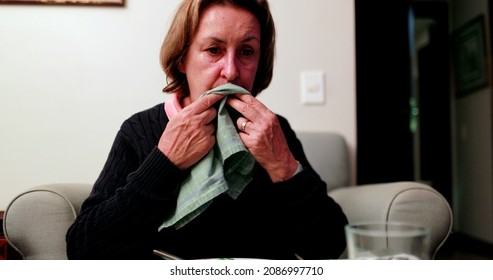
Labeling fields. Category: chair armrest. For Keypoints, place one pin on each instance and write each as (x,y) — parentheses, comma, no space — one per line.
(36,221)
(407,202)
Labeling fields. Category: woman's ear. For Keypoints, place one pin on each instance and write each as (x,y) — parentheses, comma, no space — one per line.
(181,66)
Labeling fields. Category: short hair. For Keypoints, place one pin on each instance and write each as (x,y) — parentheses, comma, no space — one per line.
(184,28)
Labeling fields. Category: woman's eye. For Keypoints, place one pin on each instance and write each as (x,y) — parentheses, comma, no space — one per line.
(247,52)
(213,50)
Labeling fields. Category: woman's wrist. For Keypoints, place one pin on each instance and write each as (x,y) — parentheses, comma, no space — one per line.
(288,173)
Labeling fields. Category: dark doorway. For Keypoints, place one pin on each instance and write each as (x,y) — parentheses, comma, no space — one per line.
(403,120)
(434,160)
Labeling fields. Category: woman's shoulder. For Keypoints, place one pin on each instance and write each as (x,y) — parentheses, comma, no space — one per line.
(283,121)
(154,111)
(286,127)
(153,117)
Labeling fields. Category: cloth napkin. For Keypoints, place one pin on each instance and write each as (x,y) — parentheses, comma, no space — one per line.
(227,168)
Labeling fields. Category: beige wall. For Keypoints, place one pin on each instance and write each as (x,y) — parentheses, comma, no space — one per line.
(473,142)
(69,76)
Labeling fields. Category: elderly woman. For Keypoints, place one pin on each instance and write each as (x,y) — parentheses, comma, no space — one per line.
(281,212)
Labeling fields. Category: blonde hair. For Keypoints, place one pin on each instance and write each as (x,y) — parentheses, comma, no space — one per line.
(184,27)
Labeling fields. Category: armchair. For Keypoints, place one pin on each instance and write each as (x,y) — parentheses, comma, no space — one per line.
(406,202)
(36,221)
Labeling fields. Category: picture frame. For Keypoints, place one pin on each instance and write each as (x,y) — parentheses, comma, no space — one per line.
(67,2)
(470,65)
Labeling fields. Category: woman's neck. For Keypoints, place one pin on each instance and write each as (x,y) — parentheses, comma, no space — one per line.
(185,101)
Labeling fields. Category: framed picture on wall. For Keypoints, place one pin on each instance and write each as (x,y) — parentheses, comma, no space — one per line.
(470,63)
(67,2)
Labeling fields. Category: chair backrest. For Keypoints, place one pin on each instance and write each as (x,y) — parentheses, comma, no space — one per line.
(36,221)
(328,154)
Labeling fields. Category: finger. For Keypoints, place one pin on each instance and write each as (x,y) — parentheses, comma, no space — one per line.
(204,103)
(248,106)
(209,115)
(209,130)
(243,124)
(253,102)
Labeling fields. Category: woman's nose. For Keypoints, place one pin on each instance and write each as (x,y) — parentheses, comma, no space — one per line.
(230,69)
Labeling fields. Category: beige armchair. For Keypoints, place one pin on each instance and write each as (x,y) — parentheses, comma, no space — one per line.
(36,221)
(405,202)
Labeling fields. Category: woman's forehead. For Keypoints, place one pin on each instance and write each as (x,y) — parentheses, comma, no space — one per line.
(219,19)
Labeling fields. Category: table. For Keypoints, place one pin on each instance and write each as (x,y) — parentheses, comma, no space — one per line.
(3,241)
(7,252)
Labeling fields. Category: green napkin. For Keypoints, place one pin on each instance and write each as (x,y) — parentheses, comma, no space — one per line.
(228,167)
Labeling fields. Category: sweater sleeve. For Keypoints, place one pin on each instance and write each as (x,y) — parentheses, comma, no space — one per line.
(135,191)
(308,221)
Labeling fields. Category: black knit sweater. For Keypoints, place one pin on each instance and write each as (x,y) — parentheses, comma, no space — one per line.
(137,190)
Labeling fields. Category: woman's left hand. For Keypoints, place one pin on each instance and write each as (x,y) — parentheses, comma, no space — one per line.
(261,133)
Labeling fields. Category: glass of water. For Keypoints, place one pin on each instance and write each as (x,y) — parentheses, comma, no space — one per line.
(387,241)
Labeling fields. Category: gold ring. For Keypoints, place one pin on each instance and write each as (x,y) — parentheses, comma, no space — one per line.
(243,125)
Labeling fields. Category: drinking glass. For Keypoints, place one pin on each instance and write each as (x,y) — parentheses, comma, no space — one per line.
(387,241)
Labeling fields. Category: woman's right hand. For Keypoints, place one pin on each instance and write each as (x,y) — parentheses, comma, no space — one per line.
(190,134)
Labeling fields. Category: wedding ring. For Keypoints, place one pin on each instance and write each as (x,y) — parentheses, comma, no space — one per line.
(243,125)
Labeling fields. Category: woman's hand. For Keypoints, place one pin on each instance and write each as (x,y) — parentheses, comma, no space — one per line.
(261,133)
(190,134)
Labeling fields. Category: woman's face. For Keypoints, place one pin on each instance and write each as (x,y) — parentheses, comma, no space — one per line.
(226,49)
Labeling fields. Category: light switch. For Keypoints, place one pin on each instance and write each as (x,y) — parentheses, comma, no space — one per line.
(312,87)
